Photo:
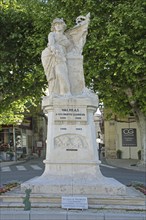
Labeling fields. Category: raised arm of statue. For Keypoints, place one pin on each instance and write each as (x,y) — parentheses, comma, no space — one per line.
(78,34)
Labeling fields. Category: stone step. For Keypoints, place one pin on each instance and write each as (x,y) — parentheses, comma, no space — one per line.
(132,201)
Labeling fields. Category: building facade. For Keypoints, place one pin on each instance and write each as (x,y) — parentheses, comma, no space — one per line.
(28,138)
(122,139)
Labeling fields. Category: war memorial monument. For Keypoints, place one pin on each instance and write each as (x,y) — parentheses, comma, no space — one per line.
(71,164)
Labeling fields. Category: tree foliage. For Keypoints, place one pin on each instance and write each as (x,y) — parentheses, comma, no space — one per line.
(114,54)
(21,77)
(119,57)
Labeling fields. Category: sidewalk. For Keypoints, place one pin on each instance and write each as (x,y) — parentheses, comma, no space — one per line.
(9,163)
(60,214)
(131,164)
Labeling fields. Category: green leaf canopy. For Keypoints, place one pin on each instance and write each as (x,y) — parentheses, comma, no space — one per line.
(114,54)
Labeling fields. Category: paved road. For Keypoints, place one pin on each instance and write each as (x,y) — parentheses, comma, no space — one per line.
(24,171)
(125,176)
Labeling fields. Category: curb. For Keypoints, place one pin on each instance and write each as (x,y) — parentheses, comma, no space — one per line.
(68,215)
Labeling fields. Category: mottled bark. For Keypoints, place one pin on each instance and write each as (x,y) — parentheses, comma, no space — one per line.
(142,126)
(140,118)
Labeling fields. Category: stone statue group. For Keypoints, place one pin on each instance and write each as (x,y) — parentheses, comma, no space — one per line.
(63,48)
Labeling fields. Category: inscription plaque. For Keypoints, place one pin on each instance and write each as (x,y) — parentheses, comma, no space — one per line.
(74,202)
(70,114)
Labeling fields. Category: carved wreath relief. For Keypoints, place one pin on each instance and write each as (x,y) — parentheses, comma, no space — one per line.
(70,141)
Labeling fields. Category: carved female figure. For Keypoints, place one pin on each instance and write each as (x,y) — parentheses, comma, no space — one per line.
(54,59)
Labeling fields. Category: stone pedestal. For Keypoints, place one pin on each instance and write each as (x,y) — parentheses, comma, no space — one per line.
(72,164)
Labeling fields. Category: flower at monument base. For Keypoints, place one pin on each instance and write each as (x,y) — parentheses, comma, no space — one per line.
(138,186)
(7,187)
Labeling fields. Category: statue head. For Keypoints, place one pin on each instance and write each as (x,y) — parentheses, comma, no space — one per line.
(80,19)
(58,21)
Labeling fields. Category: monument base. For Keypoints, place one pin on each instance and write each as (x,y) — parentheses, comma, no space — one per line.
(54,185)
(74,179)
